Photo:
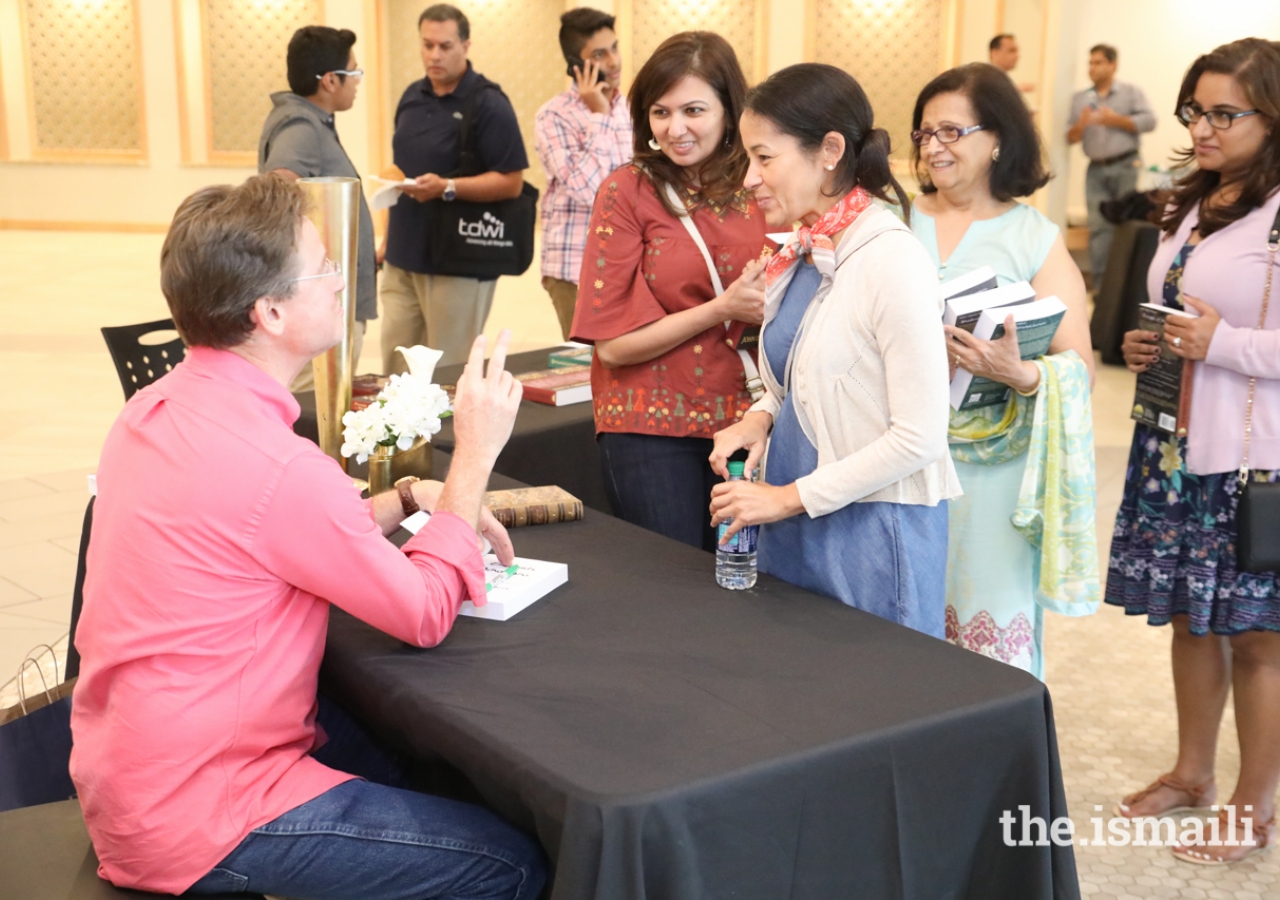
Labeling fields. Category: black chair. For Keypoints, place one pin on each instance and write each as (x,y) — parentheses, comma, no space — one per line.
(45,852)
(77,593)
(139,364)
(1123,288)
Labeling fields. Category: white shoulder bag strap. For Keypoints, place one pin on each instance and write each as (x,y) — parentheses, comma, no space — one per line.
(755,386)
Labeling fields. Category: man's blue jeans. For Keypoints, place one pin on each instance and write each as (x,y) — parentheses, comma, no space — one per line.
(376,842)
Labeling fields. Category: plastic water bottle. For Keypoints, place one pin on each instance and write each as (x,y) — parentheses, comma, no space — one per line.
(736,559)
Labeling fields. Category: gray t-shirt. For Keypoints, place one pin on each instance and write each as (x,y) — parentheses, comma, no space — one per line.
(301,137)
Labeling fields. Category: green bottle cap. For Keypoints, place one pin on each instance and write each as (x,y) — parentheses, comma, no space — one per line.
(736,468)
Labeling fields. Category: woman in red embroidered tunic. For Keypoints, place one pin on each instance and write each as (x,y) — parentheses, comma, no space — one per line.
(666,375)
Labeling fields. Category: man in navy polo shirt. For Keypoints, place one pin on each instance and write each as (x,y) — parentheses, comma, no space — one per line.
(419,306)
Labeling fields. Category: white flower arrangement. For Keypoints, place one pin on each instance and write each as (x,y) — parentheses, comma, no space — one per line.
(409,407)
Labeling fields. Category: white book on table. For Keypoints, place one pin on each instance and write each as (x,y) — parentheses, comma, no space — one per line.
(510,589)
(513,588)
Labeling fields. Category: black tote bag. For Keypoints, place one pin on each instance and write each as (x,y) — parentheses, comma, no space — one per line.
(481,240)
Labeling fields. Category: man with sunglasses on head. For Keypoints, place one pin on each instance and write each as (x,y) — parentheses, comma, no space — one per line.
(1107,119)
(300,140)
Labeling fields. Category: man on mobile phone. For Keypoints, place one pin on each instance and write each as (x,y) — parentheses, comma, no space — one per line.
(581,136)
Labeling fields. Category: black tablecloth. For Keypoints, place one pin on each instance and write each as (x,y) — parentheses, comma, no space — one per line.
(549,445)
(669,739)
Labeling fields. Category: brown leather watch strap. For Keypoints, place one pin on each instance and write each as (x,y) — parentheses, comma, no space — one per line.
(404,487)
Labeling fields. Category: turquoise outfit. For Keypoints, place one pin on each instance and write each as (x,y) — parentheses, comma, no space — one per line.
(993,569)
(884,558)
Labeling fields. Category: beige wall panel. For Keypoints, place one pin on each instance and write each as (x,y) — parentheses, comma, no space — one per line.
(84,78)
(245,48)
(653,21)
(893,49)
(513,42)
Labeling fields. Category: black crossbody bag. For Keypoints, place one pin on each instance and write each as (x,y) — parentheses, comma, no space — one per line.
(480,240)
(1258,514)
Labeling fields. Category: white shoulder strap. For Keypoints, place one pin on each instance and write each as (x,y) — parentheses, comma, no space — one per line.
(755,386)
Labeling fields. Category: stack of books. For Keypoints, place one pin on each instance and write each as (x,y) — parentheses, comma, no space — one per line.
(557,387)
(572,355)
(976,304)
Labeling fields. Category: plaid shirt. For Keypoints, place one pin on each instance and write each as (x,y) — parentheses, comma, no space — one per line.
(578,148)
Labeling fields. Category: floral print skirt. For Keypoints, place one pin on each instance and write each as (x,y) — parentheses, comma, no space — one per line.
(1173,550)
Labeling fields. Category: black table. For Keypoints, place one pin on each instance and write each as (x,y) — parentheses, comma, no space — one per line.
(668,739)
(549,444)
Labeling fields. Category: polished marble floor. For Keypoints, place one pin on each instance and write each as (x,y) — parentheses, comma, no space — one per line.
(1108,675)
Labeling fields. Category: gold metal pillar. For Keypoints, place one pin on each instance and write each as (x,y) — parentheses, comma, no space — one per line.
(334,209)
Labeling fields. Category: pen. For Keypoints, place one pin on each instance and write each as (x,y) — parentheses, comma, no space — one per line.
(508,571)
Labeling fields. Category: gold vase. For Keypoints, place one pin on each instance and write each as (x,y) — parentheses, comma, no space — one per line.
(387,465)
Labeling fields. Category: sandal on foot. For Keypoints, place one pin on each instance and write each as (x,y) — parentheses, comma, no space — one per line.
(1263,837)
(1201,796)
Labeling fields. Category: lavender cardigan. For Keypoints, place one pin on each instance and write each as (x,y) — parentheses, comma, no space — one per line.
(1228,270)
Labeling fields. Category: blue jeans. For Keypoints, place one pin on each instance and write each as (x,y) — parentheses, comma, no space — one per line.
(377,842)
(662,484)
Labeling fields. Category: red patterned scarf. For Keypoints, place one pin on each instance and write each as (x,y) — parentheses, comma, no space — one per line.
(815,239)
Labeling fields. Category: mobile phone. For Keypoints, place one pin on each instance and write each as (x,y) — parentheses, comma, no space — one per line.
(581,64)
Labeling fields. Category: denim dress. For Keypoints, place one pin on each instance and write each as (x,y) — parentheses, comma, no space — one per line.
(885,558)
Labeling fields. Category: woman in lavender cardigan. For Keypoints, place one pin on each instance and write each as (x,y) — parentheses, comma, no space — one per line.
(1173,556)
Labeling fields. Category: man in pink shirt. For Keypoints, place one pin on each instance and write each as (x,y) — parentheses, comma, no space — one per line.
(220,539)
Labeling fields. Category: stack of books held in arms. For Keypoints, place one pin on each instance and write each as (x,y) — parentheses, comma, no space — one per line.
(975,303)
(1162,397)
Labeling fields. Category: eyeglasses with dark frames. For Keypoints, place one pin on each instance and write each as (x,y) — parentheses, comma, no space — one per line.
(947,134)
(1189,114)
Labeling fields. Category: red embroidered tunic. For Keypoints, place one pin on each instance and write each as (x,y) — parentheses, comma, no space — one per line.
(641,264)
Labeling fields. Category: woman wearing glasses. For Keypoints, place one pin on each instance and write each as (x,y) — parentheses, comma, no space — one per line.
(1173,554)
(976,152)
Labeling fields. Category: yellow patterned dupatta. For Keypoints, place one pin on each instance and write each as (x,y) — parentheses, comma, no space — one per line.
(1057,503)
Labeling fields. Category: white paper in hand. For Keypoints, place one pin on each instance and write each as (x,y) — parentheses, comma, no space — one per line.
(388,193)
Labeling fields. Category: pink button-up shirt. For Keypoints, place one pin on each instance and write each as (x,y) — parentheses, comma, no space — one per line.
(219,540)
(578,148)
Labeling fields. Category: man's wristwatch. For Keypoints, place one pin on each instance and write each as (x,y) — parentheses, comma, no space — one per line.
(404,487)
(450,191)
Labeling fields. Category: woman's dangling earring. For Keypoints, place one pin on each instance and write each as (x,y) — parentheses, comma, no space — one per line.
(995,154)
(654,145)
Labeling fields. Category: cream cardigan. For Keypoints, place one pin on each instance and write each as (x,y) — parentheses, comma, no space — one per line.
(869,373)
